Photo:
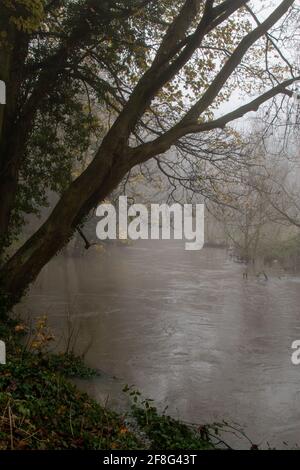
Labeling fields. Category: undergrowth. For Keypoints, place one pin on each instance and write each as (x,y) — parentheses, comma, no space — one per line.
(41,409)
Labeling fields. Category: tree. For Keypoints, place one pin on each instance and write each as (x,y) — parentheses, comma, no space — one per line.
(247,213)
(135,57)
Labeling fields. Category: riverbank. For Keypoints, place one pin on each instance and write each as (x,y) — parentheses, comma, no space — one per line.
(41,409)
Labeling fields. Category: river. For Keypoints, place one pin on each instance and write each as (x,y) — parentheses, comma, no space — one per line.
(185,328)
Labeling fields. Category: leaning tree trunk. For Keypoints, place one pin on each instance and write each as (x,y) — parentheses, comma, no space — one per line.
(95,183)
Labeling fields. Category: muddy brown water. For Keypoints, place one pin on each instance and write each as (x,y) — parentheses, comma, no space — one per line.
(185,328)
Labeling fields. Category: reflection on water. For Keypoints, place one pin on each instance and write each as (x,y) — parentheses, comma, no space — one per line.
(186,329)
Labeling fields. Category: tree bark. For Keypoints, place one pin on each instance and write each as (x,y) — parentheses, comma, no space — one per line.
(100,178)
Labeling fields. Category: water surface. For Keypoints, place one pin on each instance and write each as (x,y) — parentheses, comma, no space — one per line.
(185,328)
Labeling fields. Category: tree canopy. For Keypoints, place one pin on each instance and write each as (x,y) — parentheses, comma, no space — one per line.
(112,84)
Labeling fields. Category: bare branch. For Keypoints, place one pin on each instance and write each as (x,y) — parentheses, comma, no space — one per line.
(164,142)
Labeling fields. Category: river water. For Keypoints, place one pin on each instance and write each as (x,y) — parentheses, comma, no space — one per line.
(185,328)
